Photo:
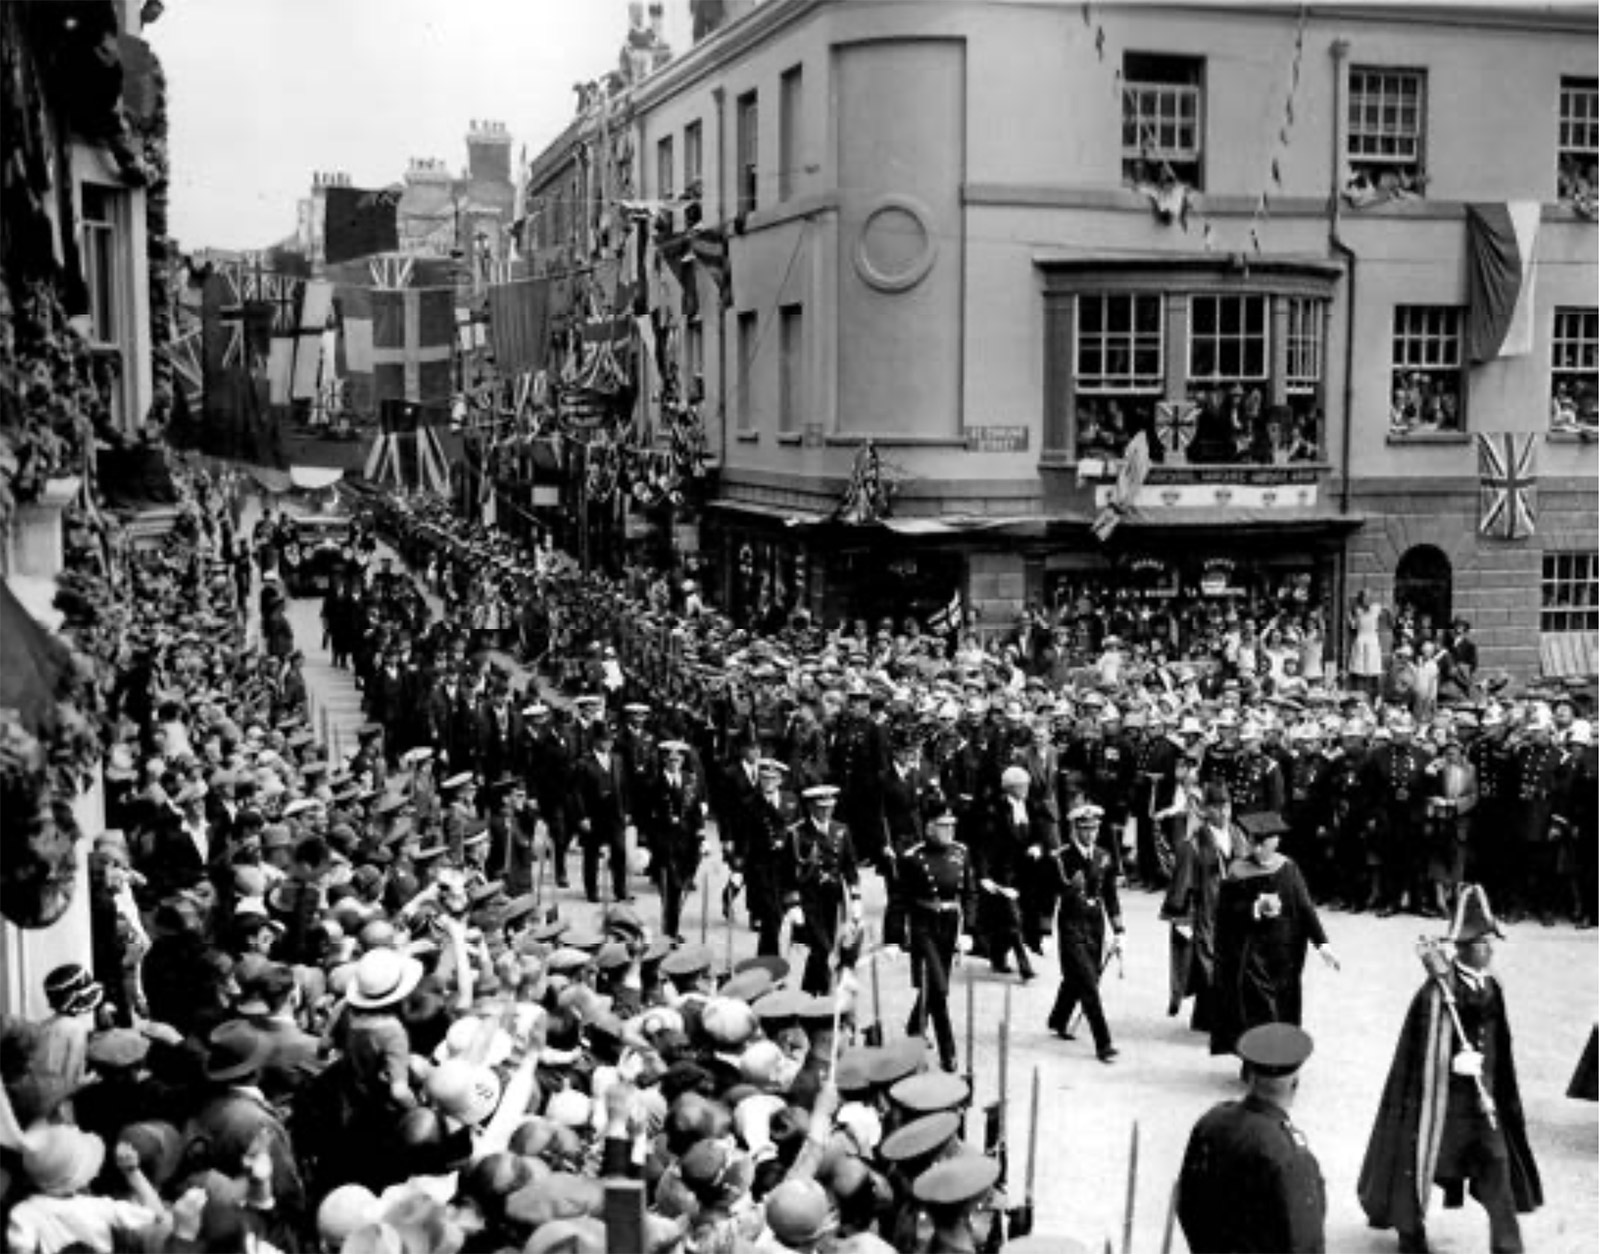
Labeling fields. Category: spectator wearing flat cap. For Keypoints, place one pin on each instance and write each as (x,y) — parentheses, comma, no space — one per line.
(1249,1181)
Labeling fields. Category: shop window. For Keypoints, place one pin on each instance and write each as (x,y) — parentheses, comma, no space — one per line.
(664,168)
(748,118)
(1162,121)
(1427,377)
(1300,438)
(1118,369)
(1575,371)
(1228,376)
(693,157)
(1570,592)
(1387,126)
(1578,139)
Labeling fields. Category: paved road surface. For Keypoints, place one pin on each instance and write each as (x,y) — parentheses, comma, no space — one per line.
(1165,1078)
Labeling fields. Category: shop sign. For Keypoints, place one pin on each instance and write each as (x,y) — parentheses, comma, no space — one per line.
(1007,439)
(686,537)
(546,495)
(1260,476)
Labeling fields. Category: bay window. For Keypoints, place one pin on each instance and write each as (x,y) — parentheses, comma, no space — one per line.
(1215,368)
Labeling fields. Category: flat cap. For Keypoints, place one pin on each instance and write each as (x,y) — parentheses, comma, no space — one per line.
(897,1060)
(687,962)
(930,1092)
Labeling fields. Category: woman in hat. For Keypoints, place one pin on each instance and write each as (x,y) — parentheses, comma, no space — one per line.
(1265,921)
(61,1162)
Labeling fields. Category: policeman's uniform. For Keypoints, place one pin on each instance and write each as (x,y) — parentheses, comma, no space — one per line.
(1249,1180)
(938,892)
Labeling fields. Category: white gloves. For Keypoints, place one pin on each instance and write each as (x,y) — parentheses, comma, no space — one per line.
(855,910)
(796,917)
(963,944)
(1469,1063)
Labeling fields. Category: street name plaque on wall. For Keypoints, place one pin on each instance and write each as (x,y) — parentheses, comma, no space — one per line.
(1013,439)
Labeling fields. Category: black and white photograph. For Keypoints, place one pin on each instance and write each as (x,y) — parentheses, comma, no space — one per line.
(799,626)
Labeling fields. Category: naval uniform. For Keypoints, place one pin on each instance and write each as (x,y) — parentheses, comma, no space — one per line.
(938,892)
(1250,1183)
(820,874)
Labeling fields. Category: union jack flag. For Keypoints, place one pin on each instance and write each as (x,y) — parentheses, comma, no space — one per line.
(1507,484)
(392,273)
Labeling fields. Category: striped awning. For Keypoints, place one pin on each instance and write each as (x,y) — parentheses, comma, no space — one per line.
(1567,653)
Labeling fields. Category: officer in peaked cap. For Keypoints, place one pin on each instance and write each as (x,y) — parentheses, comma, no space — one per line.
(1249,1180)
(822,880)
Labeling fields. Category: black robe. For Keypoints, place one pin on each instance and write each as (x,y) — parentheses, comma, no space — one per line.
(1412,1112)
(1259,961)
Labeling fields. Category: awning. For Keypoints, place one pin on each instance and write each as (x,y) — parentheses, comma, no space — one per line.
(314,478)
(1294,519)
(276,482)
(775,513)
(962,526)
(1569,653)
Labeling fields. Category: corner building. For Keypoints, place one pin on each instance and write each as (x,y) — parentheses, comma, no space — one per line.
(1000,240)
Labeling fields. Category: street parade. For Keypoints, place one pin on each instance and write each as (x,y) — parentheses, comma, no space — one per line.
(404,855)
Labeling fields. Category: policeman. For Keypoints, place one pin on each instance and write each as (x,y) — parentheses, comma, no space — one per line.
(1249,1181)
(820,877)
(938,892)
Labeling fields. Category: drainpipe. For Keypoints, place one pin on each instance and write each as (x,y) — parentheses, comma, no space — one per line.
(1338,50)
(719,97)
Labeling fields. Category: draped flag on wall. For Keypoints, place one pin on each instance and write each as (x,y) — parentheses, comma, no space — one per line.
(1507,485)
(316,307)
(519,324)
(396,320)
(1500,273)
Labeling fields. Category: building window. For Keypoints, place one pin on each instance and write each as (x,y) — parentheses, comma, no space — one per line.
(1162,121)
(1387,123)
(664,168)
(694,351)
(1578,139)
(792,367)
(1575,370)
(790,119)
(1426,385)
(100,263)
(1118,369)
(1569,590)
(693,151)
(749,118)
(1232,377)
(745,414)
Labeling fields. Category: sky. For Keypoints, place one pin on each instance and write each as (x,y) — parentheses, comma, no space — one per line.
(261,93)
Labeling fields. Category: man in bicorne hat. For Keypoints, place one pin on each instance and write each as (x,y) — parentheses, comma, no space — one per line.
(1451,1112)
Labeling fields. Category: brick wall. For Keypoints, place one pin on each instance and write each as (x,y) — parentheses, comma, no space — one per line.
(1496,584)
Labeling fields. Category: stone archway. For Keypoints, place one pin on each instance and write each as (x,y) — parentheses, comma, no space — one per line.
(1423,580)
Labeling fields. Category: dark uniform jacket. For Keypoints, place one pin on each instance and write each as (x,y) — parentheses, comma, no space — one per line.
(936,881)
(904,799)
(819,861)
(1250,1183)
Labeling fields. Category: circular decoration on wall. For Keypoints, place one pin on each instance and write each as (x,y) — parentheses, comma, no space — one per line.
(896,247)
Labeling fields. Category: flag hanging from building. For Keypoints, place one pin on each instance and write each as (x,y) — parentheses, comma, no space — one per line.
(360,222)
(316,307)
(379,364)
(1135,470)
(1507,485)
(1500,273)
(519,325)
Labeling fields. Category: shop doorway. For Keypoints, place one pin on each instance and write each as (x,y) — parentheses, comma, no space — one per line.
(1422,587)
